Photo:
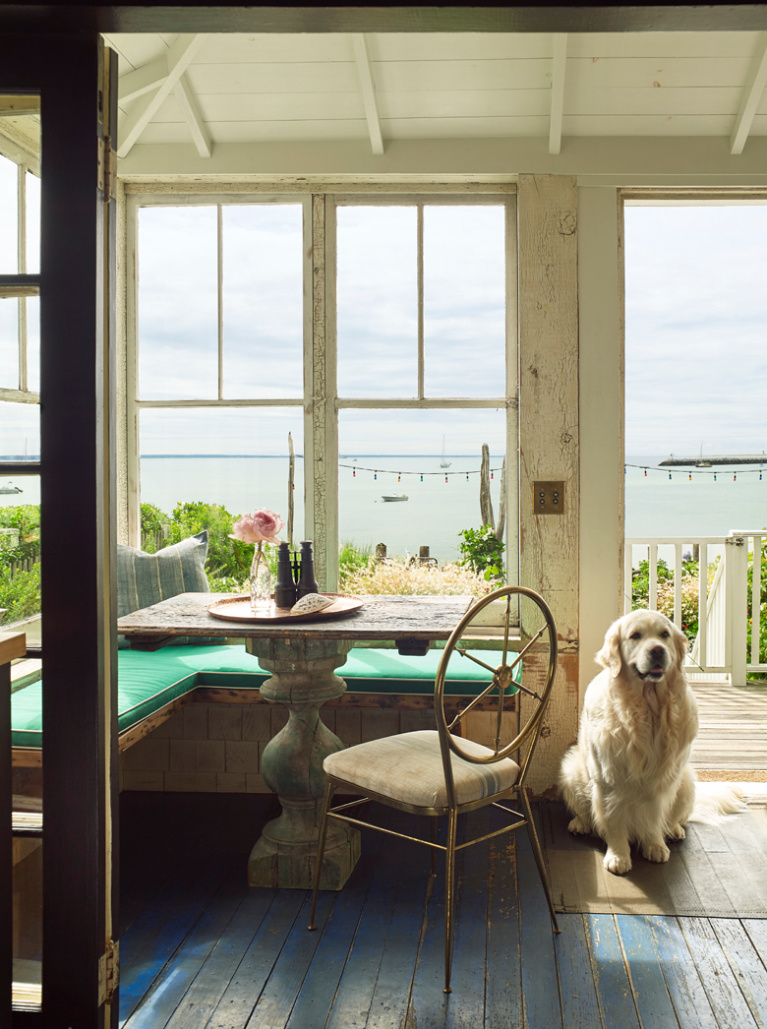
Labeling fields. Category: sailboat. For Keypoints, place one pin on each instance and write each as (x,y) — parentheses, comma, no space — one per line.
(701,463)
(443,463)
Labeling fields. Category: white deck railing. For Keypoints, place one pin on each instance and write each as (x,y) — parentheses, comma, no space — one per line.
(724,608)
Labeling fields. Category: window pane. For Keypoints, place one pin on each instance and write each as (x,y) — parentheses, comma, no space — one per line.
(33,223)
(9,215)
(464,301)
(263,300)
(441,486)
(178,303)
(19,433)
(695,328)
(377,301)
(33,344)
(9,343)
(20,560)
(234,458)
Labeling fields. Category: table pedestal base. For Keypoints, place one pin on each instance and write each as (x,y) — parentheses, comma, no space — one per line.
(302,680)
(289,861)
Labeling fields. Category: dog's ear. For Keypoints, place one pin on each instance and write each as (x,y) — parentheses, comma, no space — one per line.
(610,654)
(682,645)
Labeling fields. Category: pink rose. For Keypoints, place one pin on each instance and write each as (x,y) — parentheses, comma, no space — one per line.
(260,527)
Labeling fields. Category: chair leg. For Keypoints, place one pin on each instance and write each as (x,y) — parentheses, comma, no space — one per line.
(538,855)
(433,849)
(452,832)
(329,790)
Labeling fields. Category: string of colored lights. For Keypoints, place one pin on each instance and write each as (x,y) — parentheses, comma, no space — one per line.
(388,471)
(681,470)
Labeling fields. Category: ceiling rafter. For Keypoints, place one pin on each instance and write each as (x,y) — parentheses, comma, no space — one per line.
(178,59)
(368,91)
(752,94)
(142,80)
(558,70)
(193,117)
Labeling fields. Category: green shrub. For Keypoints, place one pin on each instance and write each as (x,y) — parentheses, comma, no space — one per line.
(19,593)
(24,543)
(154,523)
(25,518)
(482,552)
(189,519)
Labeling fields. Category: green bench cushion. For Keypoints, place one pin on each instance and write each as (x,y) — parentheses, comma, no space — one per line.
(385,671)
(147,681)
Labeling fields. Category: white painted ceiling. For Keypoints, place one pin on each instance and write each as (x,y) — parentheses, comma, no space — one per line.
(378,88)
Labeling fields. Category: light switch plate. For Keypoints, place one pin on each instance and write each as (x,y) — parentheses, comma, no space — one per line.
(549,497)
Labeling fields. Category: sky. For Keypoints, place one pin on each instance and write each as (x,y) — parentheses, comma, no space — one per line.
(377,325)
(696,330)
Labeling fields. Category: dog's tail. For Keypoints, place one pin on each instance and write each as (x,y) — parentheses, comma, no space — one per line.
(714,800)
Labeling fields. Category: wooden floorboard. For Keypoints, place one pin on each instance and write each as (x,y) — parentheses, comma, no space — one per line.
(201,950)
(732,734)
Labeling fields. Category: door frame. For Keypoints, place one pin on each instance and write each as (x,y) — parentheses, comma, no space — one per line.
(78,606)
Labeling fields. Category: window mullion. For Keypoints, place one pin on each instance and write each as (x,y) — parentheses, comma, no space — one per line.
(512,395)
(21,246)
(419,272)
(220,273)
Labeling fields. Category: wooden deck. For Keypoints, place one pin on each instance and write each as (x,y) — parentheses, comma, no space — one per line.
(200,949)
(732,738)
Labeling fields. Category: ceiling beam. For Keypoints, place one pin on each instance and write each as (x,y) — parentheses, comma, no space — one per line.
(14,104)
(558,70)
(179,58)
(193,117)
(596,16)
(142,80)
(752,94)
(368,92)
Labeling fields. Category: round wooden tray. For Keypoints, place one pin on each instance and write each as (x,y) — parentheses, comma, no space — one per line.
(237,609)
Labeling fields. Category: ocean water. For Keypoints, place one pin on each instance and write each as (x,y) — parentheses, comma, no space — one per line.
(440,501)
(693,502)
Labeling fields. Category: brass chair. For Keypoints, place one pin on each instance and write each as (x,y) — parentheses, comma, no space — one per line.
(439,772)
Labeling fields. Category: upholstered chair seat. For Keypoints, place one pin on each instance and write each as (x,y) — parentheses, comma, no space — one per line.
(408,769)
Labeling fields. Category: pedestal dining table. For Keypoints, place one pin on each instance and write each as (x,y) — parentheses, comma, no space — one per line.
(301,654)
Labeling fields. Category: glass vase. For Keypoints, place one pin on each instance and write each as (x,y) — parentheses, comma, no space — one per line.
(260,582)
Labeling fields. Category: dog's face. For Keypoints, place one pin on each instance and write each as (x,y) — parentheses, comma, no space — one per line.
(645,644)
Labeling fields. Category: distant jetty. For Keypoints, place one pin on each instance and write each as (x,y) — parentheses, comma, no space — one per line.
(703,461)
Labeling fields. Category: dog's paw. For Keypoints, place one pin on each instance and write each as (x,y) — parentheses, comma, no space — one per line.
(658,852)
(616,863)
(578,827)
(676,832)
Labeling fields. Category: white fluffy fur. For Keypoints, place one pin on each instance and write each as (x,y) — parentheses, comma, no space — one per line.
(628,778)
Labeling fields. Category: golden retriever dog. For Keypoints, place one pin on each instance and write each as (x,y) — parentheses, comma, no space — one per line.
(628,778)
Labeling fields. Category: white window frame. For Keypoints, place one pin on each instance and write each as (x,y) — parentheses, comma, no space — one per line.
(20,285)
(321,403)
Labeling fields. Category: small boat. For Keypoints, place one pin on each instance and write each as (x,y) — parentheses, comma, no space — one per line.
(8,488)
(444,463)
(394,498)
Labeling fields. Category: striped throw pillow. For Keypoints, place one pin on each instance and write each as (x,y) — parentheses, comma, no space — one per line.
(145,579)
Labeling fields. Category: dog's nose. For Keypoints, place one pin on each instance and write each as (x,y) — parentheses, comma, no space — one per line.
(657,653)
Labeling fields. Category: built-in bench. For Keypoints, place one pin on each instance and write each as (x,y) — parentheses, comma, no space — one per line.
(152,686)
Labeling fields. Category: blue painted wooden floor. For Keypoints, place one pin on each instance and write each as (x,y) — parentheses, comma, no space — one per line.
(200,949)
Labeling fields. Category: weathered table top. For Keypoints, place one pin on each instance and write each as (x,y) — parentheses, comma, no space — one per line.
(379,618)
